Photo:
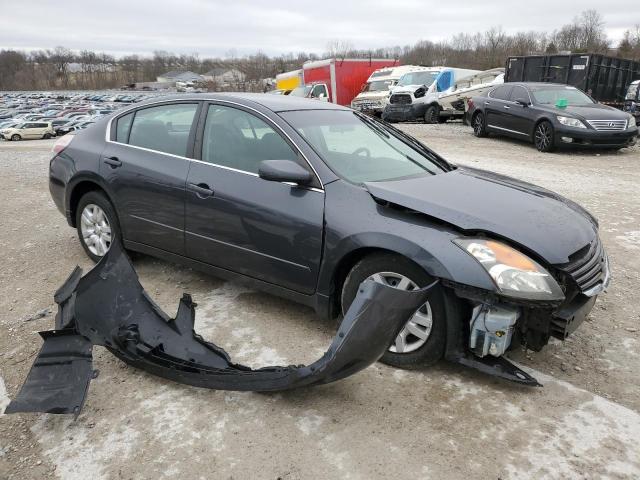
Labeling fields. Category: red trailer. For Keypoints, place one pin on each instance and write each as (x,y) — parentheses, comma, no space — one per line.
(340,79)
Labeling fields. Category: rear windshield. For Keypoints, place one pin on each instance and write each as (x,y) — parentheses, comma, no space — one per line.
(553,95)
(359,149)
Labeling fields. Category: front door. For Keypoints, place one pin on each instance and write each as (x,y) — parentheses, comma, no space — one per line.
(235,220)
(521,118)
(145,165)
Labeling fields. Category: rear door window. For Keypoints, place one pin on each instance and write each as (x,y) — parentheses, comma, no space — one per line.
(164,128)
(501,93)
(122,128)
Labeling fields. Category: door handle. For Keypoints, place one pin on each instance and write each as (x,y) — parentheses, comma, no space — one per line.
(113,162)
(202,190)
(507,107)
(487,103)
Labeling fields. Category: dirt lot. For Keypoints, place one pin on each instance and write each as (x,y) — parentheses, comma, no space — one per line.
(444,422)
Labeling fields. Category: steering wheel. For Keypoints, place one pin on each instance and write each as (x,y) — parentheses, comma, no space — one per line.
(364,150)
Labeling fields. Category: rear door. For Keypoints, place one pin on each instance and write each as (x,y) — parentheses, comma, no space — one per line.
(30,130)
(235,220)
(496,107)
(145,164)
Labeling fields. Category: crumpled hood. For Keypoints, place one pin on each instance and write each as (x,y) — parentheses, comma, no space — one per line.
(475,200)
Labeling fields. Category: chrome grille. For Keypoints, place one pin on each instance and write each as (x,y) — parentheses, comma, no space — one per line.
(400,99)
(608,125)
(588,266)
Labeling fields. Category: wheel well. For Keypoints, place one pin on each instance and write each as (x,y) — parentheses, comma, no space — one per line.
(78,192)
(344,267)
(538,122)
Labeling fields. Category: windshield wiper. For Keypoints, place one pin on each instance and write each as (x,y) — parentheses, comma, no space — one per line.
(372,124)
(412,141)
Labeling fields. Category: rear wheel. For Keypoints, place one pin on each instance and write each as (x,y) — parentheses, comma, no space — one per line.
(543,137)
(97,224)
(479,125)
(16,137)
(422,340)
(431,115)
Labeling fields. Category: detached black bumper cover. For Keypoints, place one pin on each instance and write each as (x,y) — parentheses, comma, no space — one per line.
(109,307)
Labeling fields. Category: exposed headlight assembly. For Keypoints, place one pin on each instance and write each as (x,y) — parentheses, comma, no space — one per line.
(571,122)
(515,274)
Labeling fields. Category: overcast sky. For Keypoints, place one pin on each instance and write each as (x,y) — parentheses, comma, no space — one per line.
(213,28)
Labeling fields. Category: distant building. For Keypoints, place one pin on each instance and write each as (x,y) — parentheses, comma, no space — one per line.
(179,76)
(224,76)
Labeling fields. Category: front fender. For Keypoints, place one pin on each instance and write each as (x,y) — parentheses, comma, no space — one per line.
(422,239)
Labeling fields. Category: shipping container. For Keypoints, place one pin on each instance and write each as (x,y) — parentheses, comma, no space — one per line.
(606,79)
(343,78)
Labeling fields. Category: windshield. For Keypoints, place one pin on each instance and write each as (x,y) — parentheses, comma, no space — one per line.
(553,95)
(359,149)
(377,86)
(418,78)
(632,93)
(301,91)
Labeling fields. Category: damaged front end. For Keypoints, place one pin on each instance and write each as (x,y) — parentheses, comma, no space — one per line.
(109,307)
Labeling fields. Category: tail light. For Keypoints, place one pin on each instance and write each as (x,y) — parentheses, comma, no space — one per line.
(470,104)
(62,143)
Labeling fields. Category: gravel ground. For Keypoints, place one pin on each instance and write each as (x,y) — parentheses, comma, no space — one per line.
(443,422)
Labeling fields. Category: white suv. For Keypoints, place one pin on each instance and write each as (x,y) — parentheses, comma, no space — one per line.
(28,130)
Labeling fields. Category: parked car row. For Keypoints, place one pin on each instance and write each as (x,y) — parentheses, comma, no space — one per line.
(42,115)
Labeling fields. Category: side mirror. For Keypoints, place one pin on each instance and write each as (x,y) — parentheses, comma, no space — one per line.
(284,171)
(522,102)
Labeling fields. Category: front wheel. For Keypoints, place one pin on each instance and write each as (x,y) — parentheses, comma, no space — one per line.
(97,224)
(431,115)
(543,137)
(422,340)
(16,137)
(47,136)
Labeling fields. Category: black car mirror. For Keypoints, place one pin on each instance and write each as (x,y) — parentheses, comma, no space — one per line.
(284,171)
(522,102)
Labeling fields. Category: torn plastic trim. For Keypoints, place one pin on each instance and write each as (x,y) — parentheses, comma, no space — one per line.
(109,307)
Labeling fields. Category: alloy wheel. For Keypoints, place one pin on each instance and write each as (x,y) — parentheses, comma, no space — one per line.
(96,229)
(478,125)
(417,330)
(543,137)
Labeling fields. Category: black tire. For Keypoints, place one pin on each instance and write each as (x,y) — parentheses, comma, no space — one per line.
(433,349)
(432,114)
(15,137)
(46,136)
(97,198)
(479,125)
(543,137)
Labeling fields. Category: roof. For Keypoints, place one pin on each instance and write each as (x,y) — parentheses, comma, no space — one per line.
(171,74)
(275,103)
(181,75)
(215,72)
